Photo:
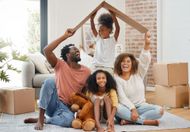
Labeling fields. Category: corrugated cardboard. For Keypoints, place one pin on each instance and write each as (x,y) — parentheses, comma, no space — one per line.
(189,97)
(174,96)
(118,13)
(170,74)
(17,100)
(88,17)
(126,18)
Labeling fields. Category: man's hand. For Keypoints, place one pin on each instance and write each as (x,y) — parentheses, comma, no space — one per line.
(134,115)
(69,32)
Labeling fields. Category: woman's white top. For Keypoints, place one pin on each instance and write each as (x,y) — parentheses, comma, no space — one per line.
(131,92)
(104,52)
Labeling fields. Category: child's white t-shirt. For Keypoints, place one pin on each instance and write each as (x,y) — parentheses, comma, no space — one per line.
(104,52)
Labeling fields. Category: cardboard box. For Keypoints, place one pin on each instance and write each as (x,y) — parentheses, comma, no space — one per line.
(170,74)
(17,100)
(189,97)
(174,96)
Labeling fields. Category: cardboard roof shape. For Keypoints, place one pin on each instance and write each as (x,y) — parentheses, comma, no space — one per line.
(118,13)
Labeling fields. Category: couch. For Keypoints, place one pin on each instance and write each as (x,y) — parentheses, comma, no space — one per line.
(35,71)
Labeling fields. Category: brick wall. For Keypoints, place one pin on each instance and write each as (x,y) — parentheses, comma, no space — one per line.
(144,12)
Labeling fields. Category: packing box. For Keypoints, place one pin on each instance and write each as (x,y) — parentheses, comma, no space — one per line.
(170,74)
(17,100)
(173,96)
(189,97)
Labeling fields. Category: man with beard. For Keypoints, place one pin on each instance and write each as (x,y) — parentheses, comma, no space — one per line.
(70,77)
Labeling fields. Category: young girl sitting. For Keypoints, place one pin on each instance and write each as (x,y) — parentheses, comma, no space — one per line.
(102,91)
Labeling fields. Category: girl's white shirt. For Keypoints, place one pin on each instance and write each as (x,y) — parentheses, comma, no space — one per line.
(104,52)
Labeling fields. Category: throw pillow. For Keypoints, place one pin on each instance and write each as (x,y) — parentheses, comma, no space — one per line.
(49,67)
(39,61)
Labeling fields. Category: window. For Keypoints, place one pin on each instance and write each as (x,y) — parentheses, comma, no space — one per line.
(20,24)
(20,27)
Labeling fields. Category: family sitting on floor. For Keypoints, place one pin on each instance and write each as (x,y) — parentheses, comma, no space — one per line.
(115,87)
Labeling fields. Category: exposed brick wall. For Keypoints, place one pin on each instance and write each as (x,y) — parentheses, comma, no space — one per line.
(144,12)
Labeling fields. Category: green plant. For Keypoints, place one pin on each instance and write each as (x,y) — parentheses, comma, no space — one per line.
(5,60)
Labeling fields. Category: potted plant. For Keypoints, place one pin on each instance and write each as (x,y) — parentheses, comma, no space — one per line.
(6,58)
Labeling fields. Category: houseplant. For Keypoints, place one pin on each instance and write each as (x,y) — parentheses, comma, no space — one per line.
(6,58)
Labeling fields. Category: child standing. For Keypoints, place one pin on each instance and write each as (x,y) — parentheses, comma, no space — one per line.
(102,92)
(105,44)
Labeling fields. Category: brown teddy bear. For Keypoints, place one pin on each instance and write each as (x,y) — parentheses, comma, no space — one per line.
(85,112)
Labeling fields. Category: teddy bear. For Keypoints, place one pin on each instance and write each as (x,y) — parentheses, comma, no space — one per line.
(85,112)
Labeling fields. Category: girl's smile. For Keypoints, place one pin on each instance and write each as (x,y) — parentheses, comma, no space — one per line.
(101,81)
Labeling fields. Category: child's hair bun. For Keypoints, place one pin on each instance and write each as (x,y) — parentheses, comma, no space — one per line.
(106,20)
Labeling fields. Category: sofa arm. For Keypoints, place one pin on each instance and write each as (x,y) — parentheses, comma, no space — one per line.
(28,72)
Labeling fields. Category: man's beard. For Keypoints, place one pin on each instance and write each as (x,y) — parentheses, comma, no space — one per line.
(76,59)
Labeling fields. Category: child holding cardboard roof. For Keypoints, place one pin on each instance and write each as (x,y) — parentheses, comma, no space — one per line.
(105,43)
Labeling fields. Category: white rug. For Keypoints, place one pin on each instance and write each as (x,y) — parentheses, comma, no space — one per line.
(11,123)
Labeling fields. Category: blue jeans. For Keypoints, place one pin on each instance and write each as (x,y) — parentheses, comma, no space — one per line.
(58,113)
(145,111)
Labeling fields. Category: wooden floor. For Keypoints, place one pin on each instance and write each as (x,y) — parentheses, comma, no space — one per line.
(184,113)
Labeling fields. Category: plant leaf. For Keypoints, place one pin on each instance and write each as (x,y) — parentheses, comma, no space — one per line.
(3,76)
(17,56)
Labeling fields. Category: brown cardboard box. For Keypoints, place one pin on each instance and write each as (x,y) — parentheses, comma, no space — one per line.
(189,97)
(17,100)
(173,96)
(170,74)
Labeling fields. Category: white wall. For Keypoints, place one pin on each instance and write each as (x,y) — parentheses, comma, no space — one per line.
(174,31)
(63,14)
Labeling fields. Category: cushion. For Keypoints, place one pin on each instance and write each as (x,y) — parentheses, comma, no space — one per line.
(49,67)
(39,61)
(40,78)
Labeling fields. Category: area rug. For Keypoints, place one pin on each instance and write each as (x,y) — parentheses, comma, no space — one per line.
(11,123)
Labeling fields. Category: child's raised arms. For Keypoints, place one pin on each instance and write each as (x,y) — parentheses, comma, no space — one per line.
(117,27)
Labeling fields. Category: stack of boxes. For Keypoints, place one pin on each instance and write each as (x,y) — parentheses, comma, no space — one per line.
(171,87)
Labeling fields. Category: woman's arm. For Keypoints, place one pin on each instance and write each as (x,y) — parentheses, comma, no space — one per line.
(93,28)
(147,41)
(145,57)
(48,50)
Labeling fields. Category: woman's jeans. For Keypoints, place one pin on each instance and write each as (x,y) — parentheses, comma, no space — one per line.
(58,113)
(146,112)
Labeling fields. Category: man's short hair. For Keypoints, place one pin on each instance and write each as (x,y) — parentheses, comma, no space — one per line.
(66,50)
